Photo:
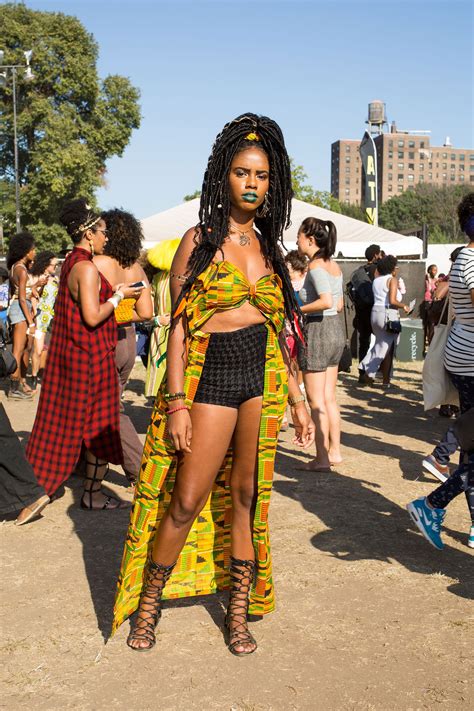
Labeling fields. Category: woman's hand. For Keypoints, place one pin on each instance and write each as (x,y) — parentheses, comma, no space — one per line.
(129,291)
(304,426)
(180,429)
(406,309)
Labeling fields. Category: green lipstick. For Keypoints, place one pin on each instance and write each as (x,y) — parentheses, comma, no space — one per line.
(250,197)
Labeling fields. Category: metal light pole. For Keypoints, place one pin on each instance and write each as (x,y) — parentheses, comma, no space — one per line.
(3,78)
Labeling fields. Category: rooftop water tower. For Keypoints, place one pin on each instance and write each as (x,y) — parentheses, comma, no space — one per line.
(377,117)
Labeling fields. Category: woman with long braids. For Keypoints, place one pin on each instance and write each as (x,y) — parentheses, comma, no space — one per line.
(79,401)
(201,503)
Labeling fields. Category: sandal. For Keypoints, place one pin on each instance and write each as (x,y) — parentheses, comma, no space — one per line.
(241,574)
(94,489)
(32,510)
(143,630)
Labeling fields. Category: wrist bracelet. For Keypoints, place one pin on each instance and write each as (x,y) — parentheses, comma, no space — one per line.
(295,400)
(116,299)
(177,409)
(169,397)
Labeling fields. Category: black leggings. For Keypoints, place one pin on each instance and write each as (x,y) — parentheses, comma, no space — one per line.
(234,369)
(463,478)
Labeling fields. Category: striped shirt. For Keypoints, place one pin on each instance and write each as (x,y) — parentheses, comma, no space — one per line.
(459,352)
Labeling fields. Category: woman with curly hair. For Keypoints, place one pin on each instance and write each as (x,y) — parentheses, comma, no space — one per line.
(21,253)
(119,264)
(44,266)
(79,401)
(201,503)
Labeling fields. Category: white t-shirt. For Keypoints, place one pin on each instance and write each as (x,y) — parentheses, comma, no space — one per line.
(459,352)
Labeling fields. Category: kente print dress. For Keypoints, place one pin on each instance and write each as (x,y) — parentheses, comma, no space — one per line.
(79,400)
(202,567)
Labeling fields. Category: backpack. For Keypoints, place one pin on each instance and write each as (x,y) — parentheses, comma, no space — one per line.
(360,288)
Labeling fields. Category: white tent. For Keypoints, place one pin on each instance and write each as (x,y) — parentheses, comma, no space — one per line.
(353,235)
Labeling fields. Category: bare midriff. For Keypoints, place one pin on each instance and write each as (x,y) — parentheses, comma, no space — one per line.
(233,319)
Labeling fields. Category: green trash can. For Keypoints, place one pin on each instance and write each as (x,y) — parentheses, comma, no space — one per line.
(410,347)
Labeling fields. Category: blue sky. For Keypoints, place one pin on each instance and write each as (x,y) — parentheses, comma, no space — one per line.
(311,65)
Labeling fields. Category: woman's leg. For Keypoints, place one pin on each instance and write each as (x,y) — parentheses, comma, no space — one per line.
(19,344)
(334,416)
(243,487)
(213,427)
(93,497)
(315,386)
(386,366)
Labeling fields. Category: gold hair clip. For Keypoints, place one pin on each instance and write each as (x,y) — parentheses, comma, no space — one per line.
(252,137)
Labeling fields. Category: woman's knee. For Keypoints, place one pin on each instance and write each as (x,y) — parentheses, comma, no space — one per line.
(183,509)
(243,491)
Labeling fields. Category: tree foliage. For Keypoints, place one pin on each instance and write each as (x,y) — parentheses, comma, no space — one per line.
(195,194)
(69,121)
(435,206)
(305,192)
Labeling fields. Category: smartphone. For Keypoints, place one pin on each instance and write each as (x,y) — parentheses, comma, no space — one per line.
(137,284)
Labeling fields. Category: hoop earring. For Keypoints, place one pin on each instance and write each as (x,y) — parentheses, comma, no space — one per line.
(264,208)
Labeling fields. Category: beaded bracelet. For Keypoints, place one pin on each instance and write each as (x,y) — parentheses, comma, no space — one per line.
(292,401)
(169,397)
(176,409)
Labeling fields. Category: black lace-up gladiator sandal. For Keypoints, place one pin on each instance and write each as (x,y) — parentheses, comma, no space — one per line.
(242,573)
(149,609)
(110,502)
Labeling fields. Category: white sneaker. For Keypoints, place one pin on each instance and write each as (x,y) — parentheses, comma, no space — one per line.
(470,542)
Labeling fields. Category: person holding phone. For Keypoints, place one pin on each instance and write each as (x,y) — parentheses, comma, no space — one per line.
(119,264)
(79,401)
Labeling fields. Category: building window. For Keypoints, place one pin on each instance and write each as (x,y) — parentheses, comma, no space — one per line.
(390,166)
(422,177)
(422,144)
(461,178)
(411,178)
(390,144)
(400,188)
(348,159)
(444,176)
(411,166)
(471,167)
(444,166)
(471,157)
(347,191)
(347,181)
(401,166)
(401,144)
(348,169)
(390,176)
(389,188)
(421,166)
(462,156)
(453,156)
(411,155)
(471,178)
(390,154)
(453,177)
(430,176)
(453,166)
(400,154)
(445,155)
(400,177)
(430,165)
(461,167)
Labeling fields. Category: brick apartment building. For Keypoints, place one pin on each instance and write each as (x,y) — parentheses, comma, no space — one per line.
(403,160)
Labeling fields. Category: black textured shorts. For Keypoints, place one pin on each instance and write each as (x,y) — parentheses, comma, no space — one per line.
(234,369)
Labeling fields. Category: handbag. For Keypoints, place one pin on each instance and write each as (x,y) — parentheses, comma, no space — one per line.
(345,361)
(8,363)
(392,321)
(437,386)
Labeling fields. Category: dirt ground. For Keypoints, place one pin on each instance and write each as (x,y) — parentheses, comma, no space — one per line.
(370,616)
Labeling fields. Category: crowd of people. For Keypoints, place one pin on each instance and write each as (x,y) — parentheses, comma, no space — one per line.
(233,332)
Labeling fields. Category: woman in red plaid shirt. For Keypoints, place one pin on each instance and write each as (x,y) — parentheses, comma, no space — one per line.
(79,401)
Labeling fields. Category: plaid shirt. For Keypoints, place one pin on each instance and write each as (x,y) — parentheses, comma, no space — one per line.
(79,400)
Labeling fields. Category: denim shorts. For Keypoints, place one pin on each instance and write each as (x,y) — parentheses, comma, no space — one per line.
(15,312)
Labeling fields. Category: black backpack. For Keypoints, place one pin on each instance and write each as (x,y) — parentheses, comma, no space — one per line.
(360,287)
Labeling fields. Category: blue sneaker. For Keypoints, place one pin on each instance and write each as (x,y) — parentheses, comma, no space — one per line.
(428,521)
(470,542)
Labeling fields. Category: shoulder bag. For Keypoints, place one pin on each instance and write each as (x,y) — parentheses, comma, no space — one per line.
(437,386)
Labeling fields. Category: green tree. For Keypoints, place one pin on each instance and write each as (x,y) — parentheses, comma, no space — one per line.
(306,193)
(69,121)
(426,204)
(195,194)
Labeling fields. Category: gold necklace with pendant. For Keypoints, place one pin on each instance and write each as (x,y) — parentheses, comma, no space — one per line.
(244,239)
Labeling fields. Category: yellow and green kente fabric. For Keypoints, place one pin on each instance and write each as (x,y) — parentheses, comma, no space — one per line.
(203,565)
